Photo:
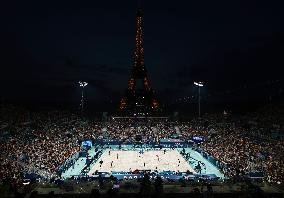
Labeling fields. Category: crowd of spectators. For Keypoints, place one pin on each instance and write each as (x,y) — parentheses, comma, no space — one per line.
(148,130)
(241,145)
(41,142)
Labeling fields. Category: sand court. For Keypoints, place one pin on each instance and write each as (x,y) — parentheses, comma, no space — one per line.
(120,160)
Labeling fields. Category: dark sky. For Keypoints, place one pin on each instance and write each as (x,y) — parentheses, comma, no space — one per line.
(46,48)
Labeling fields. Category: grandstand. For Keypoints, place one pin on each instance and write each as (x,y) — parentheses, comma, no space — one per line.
(209,150)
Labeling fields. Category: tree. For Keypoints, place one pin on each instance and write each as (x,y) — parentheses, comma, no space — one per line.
(158,186)
(145,187)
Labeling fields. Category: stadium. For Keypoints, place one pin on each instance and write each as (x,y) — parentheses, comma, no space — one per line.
(117,156)
(75,127)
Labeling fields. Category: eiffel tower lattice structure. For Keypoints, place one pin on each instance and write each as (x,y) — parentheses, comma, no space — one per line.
(139,99)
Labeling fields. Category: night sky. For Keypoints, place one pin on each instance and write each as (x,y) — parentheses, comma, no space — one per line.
(235,47)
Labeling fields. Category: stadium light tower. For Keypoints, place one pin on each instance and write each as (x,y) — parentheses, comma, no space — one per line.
(199,84)
(83,85)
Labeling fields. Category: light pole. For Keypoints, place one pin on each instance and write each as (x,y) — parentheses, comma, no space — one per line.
(199,84)
(83,85)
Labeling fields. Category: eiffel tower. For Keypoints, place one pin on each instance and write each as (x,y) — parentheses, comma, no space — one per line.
(139,99)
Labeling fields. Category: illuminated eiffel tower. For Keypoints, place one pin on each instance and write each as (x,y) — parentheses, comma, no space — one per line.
(139,99)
